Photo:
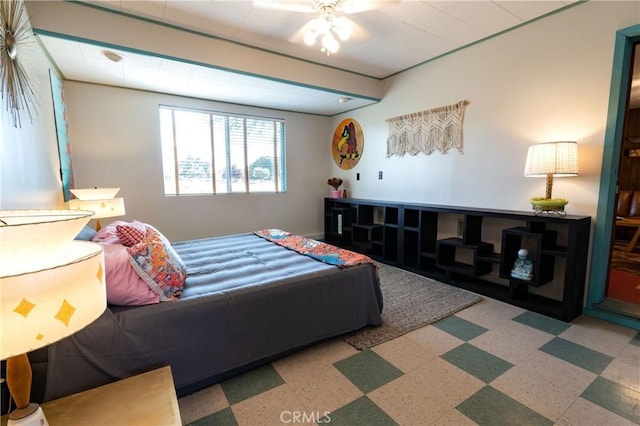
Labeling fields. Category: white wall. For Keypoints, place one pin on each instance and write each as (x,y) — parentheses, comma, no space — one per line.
(29,163)
(116,143)
(545,81)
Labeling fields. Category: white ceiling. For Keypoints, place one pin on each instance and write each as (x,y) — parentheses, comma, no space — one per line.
(86,62)
(394,36)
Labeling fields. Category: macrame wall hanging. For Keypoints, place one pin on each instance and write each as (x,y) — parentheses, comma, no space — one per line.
(426,131)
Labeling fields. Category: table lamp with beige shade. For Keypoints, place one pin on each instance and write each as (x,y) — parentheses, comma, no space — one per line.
(549,160)
(51,286)
(101,201)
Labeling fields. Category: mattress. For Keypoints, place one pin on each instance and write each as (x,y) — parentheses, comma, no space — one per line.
(246,301)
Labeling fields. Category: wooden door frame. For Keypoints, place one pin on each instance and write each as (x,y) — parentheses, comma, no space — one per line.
(623,54)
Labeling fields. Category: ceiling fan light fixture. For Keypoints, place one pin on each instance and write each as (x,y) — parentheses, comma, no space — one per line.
(310,38)
(327,27)
(329,44)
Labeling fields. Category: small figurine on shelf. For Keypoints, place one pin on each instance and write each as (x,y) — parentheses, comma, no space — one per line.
(523,266)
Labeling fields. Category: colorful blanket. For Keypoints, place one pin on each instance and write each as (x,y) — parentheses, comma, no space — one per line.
(315,249)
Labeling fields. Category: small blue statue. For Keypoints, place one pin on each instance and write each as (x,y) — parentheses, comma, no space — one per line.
(523,266)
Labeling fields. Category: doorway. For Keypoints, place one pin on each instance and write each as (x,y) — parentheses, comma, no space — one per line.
(623,280)
(608,233)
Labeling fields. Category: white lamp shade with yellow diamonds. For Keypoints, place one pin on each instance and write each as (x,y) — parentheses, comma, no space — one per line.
(48,289)
(37,235)
(94,193)
(102,208)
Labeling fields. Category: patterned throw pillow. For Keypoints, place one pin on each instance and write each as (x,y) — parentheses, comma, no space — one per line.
(158,264)
(131,233)
(107,235)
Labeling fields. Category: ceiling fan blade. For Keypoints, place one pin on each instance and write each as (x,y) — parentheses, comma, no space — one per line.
(298,36)
(357,31)
(357,6)
(308,6)
(286,5)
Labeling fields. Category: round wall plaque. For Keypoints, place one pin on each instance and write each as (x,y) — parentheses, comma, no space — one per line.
(347,145)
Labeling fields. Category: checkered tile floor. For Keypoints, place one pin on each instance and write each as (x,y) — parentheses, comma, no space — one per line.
(489,364)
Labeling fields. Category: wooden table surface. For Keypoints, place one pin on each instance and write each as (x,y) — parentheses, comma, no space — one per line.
(145,399)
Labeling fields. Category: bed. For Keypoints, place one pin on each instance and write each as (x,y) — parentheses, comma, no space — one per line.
(246,301)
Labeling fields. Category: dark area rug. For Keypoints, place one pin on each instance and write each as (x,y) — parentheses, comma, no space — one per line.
(410,301)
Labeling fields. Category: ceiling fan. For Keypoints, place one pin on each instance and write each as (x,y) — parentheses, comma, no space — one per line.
(328,27)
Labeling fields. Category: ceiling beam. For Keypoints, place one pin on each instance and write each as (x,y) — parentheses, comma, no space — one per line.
(95,25)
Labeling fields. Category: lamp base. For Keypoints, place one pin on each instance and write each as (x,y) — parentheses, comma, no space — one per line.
(549,205)
(31,415)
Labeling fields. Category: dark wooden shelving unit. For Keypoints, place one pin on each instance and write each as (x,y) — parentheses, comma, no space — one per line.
(408,236)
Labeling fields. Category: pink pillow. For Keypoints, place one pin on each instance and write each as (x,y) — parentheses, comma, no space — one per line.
(158,264)
(124,285)
(131,233)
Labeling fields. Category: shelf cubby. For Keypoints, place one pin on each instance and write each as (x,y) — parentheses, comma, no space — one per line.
(513,239)
(391,215)
(411,218)
(391,244)
(411,240)
(448,248)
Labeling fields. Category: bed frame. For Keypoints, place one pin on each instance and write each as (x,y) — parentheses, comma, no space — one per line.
(246,302)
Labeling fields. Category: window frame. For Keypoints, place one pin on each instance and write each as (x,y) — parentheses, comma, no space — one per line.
(278,152)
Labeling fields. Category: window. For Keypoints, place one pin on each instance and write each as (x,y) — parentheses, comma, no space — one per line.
(216,153)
